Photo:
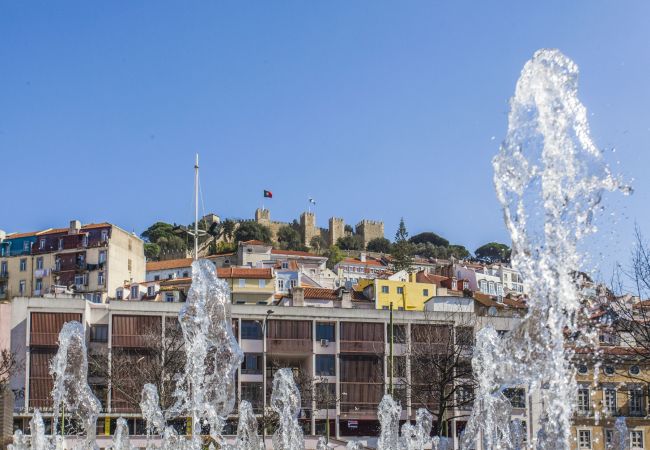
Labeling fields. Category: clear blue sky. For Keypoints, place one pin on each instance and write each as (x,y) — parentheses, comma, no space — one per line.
(376,109)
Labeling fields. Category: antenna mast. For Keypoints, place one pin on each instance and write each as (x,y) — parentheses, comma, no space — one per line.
(196,208)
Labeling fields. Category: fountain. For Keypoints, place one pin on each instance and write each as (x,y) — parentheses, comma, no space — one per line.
(549,179)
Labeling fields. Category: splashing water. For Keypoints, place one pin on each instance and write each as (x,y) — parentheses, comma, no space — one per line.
(353,445)
(247,437)
(69,368)
(121,439)
(549,179)
(440,443)
(621,437)
(285,400)
(207,388)
(151,412)
(388,414)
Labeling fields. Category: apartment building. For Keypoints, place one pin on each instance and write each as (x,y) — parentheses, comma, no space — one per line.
(344,347)
(91,260)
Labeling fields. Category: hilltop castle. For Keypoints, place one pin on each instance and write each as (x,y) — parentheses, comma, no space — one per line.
(366,229)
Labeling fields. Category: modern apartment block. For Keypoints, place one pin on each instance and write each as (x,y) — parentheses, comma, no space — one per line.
(333,340)
(92,260)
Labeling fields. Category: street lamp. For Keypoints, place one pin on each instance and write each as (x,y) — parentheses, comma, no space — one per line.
(337,400)
(266,318)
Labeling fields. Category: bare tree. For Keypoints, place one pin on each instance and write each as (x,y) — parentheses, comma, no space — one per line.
(8,365)
(439,358)
(157,359)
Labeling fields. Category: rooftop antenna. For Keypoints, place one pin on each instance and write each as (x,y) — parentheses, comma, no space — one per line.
(196,208)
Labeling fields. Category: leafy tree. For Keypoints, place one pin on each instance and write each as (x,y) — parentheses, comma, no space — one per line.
(334,255)
(151,251)
(348,229)
(317,243)
(289,238)
(248,231)
(459,252)
(402,249)
(350,243)
(157,231)
(493,252)
(379,245)
(430,237)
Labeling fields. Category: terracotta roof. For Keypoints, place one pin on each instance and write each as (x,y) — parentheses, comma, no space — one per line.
(321,293)
(357,261)
(169,264)
(242,272)
(423,277)
(255,242)
(89,226)
(21,235)
(175,282)
(295,253)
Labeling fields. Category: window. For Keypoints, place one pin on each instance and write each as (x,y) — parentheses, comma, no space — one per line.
(79,280)
(39,263)
(57,264)
(84,240)
(325,365)
(134,292)
(582,369)
(609,438)
(130,245)
(491,289)
(60,243)
(584,400)
(609,400)
(400,366)
(169,297)
(634,370)
(99,333)
(400,290)
(23,264)
(636,402)
(325,330)
(262,283)
(100,278)
(39,284)
(609,370)
(129,265)
(499,289)
(285,265)
(636,440)
(3,268)
(156,278)
(41,243)
(483,286)
(251,329)
(252,364)
(119,294)
(385,289)
(400,333)
(26,246)
(242,282)
(425,292)
(151,291)
(102,256)
(22,287)
(293,283)
(325,395)
(254,393)
(517,397)
(465,396)
(105,236)
(280,285)
(465,336)
(584,439)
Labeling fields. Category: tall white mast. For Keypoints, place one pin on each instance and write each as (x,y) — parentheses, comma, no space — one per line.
(196,208)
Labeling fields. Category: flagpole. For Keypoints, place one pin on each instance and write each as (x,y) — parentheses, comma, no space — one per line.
(196,208)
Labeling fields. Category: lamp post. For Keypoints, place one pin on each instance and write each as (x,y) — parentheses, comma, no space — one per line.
(266,318)
(328,402)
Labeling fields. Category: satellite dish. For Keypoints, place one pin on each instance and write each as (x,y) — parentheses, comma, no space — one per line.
(492,311)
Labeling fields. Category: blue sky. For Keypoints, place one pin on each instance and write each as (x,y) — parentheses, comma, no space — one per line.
(376,109)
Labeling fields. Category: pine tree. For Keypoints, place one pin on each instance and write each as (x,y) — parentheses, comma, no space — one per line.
(402,251)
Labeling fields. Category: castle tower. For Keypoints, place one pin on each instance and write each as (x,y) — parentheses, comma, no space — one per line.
(369,230)
(337,229)
(263,216)
(308,227)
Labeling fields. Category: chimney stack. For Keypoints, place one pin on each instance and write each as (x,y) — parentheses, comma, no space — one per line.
(75,227)
(3,235)
(298,295)
(346,298)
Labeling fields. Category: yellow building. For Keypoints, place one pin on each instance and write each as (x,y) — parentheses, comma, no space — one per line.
(405,293)
(619,389)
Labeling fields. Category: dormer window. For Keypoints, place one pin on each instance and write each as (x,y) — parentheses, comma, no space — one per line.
(41,244)
(26,246)
(84,240)
(151,291)
(60,243)
(105,236)
(285,265)
(134,292)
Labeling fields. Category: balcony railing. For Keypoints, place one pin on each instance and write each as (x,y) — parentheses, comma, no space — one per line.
(44,339)
(131,340)
(375,347)
(289,345)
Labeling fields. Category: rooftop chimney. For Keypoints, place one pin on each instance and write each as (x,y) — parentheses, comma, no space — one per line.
(363,257)
(3,235)
(298,295)
(346,298)
(75,227)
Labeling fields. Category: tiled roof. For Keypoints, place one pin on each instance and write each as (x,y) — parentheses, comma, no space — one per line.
(357,261)
(295,253)
(255,242)
(242,272)
(423,277)
(89,226)
(169,264)
(321,293)
(22,235)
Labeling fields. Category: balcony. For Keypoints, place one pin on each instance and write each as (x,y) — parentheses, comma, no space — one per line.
(274,345)
(4,276)
(374,347)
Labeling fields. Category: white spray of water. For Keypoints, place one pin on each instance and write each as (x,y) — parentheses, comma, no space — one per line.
(247,437)
(388,414)
(151,412)
(69,368)
(353,445)
(549,179)
(207,389)
(121,439)
(285,400)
